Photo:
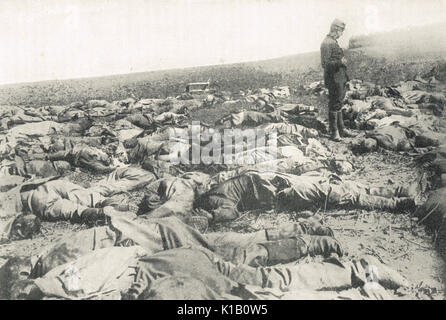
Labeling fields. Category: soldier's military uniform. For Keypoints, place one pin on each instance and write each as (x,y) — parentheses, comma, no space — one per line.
(335,78)
(335,72)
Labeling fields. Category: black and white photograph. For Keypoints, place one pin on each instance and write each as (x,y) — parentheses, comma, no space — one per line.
(255,150)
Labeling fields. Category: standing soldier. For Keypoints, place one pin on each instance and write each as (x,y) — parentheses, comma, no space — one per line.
(335,78)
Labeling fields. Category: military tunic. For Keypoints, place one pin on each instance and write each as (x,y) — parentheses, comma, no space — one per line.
(335,72)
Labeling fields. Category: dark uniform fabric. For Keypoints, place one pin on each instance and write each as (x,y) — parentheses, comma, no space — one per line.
(335,72)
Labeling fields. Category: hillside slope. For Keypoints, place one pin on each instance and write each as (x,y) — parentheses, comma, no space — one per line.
(373,58)
(428,39)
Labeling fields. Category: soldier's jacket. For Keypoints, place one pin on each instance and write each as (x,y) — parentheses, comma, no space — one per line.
(83,156)
(331,54)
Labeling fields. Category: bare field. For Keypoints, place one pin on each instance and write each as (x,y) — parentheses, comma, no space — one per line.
(395,239)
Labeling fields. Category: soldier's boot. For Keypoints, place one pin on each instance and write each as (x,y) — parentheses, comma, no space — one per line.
(292,249)
(298,229)
(405,204)
(392,204)
(323,246)
(341,127)
(284,251)
(333,126)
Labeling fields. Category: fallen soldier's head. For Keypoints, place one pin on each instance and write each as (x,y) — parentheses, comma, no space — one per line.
(25,290)
(19,228)
(103,157)
(61,166)
(343,166)
(148,203)
(24,227)
(14,270)
(121,154)
(57,144)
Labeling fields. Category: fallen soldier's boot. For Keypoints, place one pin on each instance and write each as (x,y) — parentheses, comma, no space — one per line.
(317,229)
(324,246)
(284,251)
(341,127)
(297,229)
(370,202)
(287,250)
(423,141)
(333,126)
(405,204)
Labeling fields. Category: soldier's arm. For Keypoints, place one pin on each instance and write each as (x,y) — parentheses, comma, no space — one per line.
(331,57)
(58,155)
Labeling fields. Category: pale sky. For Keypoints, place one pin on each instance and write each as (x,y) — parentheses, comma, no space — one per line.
(59,39)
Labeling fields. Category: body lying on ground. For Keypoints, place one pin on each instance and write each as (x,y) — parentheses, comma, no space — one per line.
(150,120)
(360,114)
(11,116)
(292,113)
(34,168)
(43,128)
(173,196)
(266,190)
(294,145)
(82,156)
(288,128)
(32,140)
(250,118)
(57,199)
(433,163)
(398,137)
(165,248)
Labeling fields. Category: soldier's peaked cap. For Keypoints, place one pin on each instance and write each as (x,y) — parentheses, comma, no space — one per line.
(338,23)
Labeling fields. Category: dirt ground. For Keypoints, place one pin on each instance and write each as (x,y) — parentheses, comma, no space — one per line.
(396,240)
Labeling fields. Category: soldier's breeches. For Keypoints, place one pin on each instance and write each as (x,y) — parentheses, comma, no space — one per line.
(336,95)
